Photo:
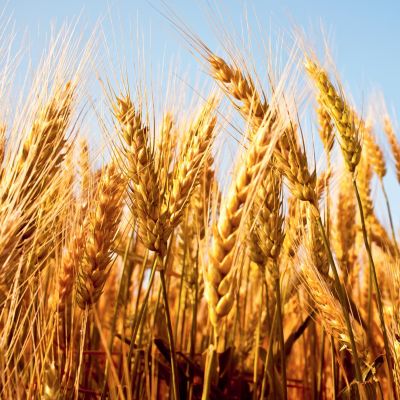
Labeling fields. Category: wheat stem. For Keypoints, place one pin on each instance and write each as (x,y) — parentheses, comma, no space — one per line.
(268,359)
(257,346)
(115,314)
(174,369)
(321,365)
(390,216)
(81,348)
(194,324)
(280,336)
(333,366)
(209,371)
(138,318)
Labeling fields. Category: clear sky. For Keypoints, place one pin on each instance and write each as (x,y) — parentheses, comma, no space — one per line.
(364,35)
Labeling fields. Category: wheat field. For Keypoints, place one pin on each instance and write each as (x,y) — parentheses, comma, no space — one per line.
(153,269)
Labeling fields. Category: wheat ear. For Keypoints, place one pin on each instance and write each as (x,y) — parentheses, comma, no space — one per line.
(341,114)
(292,162)
(325,130)
(70,264)
(191,161)
(241,87)
(374,152)
(394,144)
(2,148)
(103,222)
(344,229)
(219,275)
(331,314)
(267,234)
(44,148)
(145,189)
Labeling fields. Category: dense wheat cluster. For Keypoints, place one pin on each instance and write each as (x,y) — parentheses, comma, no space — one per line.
(154,271)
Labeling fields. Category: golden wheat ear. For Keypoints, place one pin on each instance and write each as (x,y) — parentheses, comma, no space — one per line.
(219,275)
(394,144)
(331,314)
(70,262)
(31,180)
(291,161)
(344,228)
(374,152)
(190,163)
(326,132)
(2,146)
(85,169)
(205,195)
(240,87)
(145,189)
(103,223)
(44,149)
(344,118)
(167,146)
(267,233)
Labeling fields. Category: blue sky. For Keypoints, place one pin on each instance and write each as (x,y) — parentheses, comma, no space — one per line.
(364,35)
